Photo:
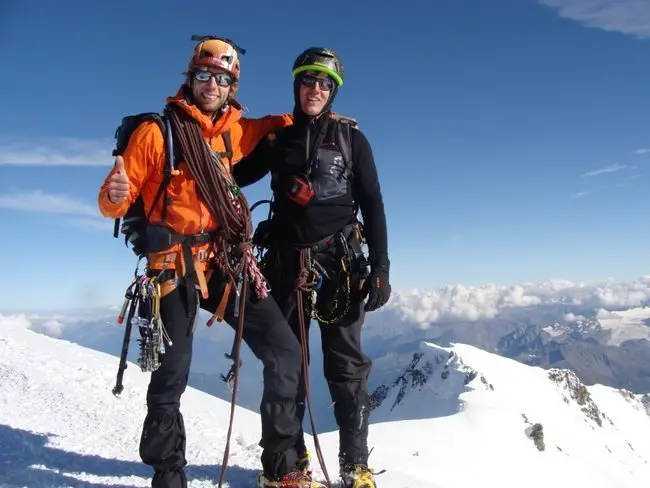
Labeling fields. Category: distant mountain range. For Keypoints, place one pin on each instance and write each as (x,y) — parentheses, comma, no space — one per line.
(588,348)
(607,347)
(601,347)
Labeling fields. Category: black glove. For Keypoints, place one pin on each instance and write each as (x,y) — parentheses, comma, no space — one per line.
(378,287)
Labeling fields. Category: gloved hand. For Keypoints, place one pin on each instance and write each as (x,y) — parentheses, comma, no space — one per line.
(378,287)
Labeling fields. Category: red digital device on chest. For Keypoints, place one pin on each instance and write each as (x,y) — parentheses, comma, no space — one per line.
(300,191)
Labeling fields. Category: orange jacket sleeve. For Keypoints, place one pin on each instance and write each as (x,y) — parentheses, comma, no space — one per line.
(255,129)
(143,155)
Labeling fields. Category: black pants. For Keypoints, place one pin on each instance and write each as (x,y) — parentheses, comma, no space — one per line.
(346,367)
(270,339)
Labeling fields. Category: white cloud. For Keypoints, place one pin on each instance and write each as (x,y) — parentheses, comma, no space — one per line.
(39,201)
(580,194)
(642,151)
(606,314)
(469,303)
(608,169)
(50,324)
(571,317)
(52,327)
(56,152)
(83,215)
(99,223)
(631,17)
(458,303)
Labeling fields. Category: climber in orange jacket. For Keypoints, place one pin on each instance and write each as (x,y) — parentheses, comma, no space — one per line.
(204,223)
(212,105)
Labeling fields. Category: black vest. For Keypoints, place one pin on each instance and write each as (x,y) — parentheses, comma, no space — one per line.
(325,171)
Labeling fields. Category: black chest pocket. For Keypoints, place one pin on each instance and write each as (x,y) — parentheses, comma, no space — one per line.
(327,174)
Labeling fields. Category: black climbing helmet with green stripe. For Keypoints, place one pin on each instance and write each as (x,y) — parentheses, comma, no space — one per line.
(320,59)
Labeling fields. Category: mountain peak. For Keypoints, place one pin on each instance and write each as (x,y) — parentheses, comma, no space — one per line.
(578,328)
(569,382)
(434,369)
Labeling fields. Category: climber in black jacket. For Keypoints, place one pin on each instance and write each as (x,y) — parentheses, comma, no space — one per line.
(322,172)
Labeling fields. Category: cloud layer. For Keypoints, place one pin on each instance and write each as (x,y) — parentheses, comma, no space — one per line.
(39,201)
(467,303)
(546,301)
(630,17)
(56,152)
(77,214)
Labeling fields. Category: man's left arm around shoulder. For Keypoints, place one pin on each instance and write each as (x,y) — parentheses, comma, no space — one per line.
(367,193)
(254,130)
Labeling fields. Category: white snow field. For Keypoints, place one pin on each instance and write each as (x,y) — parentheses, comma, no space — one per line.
(461,420)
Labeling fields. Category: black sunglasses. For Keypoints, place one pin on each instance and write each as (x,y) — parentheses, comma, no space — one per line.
(222,79)
(325,83)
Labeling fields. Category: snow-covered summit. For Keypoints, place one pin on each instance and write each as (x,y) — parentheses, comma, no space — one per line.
(453,416)
(429,387)
(502,413)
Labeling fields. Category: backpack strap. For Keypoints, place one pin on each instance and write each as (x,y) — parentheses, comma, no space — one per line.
(344,142)
(227,142)
(122,142)
(170,165)
(169,168)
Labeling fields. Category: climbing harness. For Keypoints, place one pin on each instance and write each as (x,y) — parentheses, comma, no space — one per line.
(351,261)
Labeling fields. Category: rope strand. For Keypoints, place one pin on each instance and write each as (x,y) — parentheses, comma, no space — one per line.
(221,195)
(225,201)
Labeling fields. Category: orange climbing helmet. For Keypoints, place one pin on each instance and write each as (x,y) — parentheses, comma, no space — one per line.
(218,52)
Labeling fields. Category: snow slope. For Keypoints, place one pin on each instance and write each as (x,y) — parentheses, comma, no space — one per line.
(60,425)
(482,316)
(483,408)
(463,427)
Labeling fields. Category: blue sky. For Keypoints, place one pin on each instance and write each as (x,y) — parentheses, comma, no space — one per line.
(510,136)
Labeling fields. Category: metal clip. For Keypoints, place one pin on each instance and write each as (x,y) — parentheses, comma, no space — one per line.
(343,243)
(230,375)
(238,291)
(202,255)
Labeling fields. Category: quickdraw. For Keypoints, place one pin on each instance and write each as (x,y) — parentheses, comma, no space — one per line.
(152,331)
(338,311)
(142,301)
(317,275)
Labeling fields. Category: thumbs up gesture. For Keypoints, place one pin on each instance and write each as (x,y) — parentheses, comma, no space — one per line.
(118,182)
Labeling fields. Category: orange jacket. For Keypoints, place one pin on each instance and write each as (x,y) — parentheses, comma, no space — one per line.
(144,160)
